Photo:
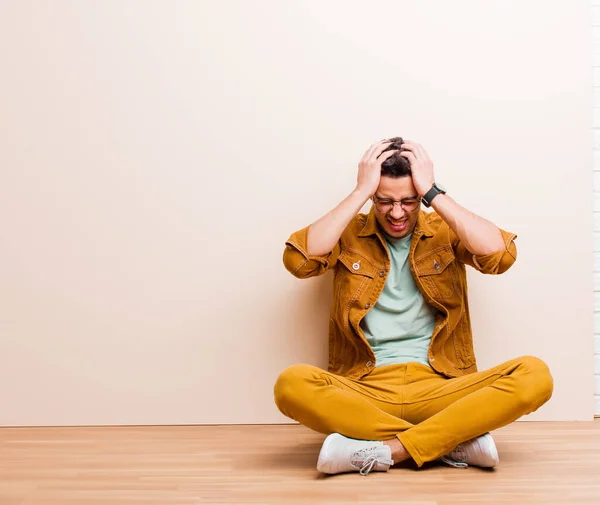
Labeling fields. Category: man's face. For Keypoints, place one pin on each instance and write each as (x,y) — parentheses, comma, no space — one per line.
(396,222)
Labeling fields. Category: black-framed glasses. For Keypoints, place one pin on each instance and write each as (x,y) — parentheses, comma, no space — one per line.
(385,205)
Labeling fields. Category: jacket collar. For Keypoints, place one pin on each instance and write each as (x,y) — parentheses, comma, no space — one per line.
(371,226)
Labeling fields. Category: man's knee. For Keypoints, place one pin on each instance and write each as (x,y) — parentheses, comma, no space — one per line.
(537,381)
(290,385)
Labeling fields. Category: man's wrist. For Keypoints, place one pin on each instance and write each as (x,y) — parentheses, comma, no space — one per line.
(438,200)
(362,194)
(423,192)
(432,193)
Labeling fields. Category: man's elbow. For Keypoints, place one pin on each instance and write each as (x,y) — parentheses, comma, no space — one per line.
(508,258)
(299,265)
(496,262)
(293,261)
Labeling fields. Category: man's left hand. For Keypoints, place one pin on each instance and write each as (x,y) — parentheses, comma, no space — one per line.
(421,166)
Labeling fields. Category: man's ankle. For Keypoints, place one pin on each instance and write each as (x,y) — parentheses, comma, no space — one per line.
(399,452)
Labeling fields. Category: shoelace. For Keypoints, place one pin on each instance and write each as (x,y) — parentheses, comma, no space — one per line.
(368,465)
(451,462)
(368,462)
(455,458)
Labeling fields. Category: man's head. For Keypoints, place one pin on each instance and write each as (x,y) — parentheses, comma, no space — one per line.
(396,219)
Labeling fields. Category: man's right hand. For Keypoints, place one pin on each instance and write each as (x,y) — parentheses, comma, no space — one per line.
(369,168)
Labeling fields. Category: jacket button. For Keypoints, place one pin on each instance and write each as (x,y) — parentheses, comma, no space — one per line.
(369,363)
(382,273)
(367,306)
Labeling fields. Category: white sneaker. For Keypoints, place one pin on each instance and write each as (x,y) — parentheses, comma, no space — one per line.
(342,454)
(480,451)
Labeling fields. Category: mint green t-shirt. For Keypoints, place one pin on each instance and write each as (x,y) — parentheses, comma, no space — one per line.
(400,325)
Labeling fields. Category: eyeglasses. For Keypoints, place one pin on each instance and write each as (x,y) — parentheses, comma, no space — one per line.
(385,205)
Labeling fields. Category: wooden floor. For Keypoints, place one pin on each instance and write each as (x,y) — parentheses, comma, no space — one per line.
(540,463)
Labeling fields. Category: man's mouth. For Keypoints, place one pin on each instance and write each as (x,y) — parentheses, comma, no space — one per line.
(398,225)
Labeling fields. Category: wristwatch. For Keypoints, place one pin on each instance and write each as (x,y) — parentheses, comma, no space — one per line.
(435,190)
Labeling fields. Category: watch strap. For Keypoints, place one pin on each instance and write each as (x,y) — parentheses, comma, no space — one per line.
(431,194)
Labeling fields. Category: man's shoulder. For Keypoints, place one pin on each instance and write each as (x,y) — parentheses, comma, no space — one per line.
(436,229)
(433,220)
(359,221)
(356,226)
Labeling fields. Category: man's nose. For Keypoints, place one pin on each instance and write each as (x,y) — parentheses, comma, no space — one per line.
(397,212)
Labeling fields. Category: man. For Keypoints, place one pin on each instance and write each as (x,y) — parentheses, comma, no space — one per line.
(402,381)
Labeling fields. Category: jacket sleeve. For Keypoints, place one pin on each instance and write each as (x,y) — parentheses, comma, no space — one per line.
(299,263)
(494,263)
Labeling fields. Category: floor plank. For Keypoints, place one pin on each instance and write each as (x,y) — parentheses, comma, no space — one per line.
(541,463)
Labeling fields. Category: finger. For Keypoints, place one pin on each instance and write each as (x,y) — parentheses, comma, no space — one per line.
(421,152)
(368,152)
(412,149)
(386,155)
(379,148)
(417,149)
(409,155)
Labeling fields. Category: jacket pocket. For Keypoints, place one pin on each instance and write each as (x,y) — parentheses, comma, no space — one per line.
(353,280)
(356,264)
(437,271)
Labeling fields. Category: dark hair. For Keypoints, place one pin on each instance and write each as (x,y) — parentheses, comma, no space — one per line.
(395,166)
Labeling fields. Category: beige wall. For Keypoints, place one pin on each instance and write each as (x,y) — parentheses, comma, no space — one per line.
(155,155)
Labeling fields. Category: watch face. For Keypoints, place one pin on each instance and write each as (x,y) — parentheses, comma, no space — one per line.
(440,187)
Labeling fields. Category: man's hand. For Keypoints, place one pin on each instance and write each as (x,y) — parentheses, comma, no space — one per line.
(421,166)
(369,168)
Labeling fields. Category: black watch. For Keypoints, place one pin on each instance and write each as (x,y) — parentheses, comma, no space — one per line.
(435,190)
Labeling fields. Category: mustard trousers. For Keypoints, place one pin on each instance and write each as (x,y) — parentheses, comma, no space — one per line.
(428,412)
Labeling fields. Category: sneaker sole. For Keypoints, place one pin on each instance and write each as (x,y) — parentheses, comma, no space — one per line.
(324,454)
